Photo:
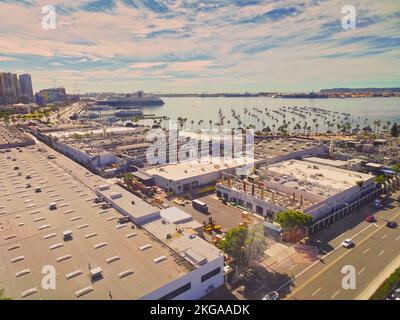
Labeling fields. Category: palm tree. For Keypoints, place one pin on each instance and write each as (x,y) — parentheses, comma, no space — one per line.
(378,124)
(375,123)
(305,127)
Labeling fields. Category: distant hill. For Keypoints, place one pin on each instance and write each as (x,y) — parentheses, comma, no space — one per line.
(359,90)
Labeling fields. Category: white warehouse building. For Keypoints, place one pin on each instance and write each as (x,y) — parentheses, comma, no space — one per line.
(316,189)
(176,231)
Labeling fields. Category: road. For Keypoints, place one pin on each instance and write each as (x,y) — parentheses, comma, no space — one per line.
(376,246)
(62,116)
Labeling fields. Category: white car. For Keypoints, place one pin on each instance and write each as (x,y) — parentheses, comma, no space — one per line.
(348,243)
(273,295)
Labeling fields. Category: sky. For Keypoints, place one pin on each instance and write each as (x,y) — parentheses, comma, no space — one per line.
(202,45)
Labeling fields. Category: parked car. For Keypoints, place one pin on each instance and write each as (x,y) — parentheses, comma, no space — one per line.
(273,295)
(348,243)
(392,224)
(377,204)
(370,219)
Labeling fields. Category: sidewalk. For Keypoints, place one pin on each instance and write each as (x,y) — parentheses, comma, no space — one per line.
(369,291)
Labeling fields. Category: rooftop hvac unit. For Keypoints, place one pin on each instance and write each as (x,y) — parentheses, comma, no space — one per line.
(104,187)
(115,195)
(67,235)
(96,273)
(52,205)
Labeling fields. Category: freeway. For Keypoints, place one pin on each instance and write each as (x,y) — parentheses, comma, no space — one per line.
(376,247)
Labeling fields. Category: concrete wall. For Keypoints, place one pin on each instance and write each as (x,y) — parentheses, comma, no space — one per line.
(267,207)
(198,288)
(326,207)
(319,210)
(174,185)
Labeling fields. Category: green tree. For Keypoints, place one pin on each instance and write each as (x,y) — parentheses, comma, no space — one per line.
(396,168)
(395,130)
(380,179)
(2,297)
(246,245)
(294,219)
(360,183)
(128,178)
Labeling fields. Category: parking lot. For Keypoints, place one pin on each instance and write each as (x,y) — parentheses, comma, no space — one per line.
(224,215)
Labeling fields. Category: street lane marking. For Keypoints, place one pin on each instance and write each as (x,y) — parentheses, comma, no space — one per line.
(331,264)
(361,271)
(318,261)
(365,251)
(381,253)
(383,237)
(293,266)
(397,238)
(316,291)
(335,294)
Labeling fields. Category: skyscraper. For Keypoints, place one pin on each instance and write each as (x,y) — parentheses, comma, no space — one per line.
(16,88)
(26,87)
(9,86)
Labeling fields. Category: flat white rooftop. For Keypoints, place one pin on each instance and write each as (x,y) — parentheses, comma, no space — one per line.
(116,130)
(315,178)
(328,162)
(178,230)
(190,169)
(138,209)
(31,236)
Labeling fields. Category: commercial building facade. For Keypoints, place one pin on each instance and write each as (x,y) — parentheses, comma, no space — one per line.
(51,96)
(318,190)
(10,90)
(14,89)
(26,87)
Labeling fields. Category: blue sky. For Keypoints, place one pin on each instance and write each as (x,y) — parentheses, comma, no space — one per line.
(202,46)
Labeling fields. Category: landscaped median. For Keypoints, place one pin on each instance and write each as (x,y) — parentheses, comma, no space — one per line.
(387,286)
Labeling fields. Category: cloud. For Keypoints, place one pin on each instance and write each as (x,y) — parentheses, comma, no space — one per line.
(5,59)
(250,45)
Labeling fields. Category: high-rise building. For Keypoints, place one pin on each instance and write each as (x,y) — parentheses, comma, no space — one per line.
(16,88)
(1,91)
(9,88)
(51,95)
(26,87)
